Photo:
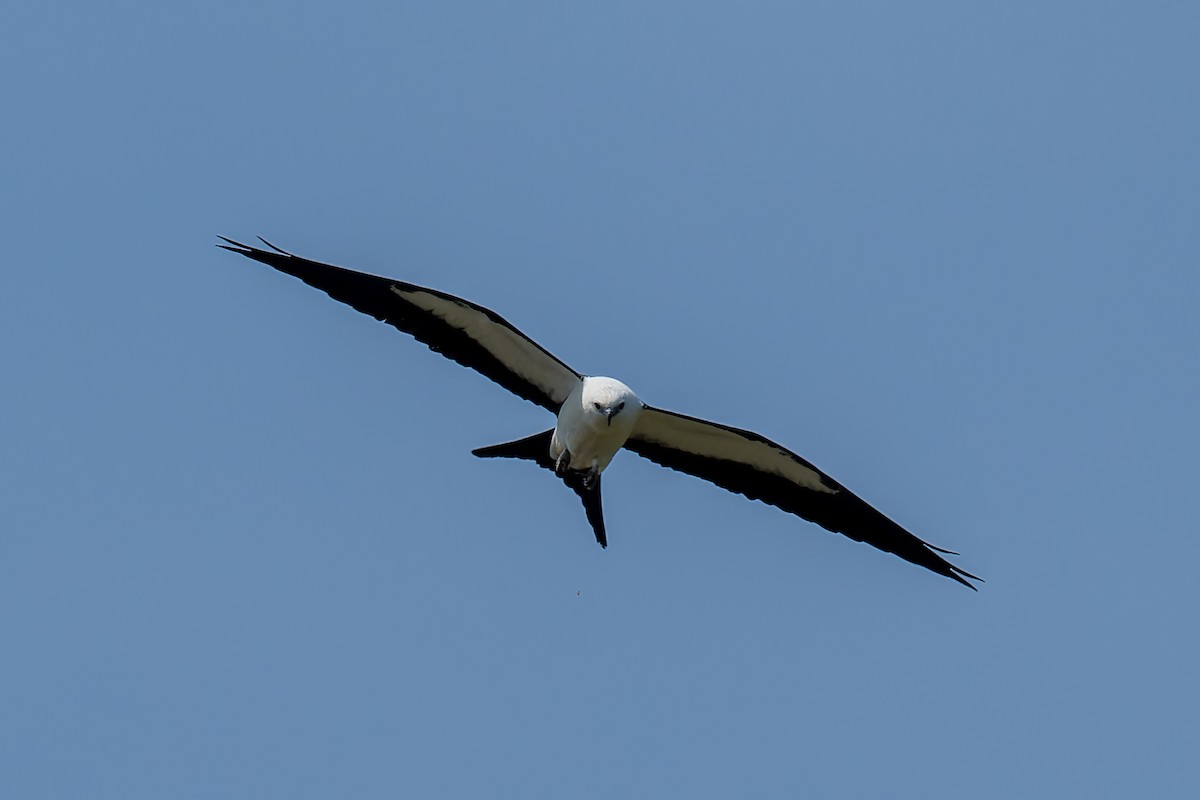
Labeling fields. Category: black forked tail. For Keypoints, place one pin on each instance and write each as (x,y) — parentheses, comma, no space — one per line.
(532,448)
(536,448)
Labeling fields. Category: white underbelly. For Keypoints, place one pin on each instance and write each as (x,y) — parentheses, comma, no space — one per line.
(589,448)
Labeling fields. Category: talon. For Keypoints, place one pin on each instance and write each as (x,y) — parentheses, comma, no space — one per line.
(589,477)
(562,463)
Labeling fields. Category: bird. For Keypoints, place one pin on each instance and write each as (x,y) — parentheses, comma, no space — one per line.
(597,416)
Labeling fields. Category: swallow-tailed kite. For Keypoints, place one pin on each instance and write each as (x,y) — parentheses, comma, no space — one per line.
(596,416)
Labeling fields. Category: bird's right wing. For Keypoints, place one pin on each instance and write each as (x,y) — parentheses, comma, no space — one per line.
(458,329)
(747,463)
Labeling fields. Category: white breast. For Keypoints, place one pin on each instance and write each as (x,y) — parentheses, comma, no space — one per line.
(585,431)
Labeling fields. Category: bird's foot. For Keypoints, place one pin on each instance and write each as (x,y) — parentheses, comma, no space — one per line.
(589,478)
(562,463)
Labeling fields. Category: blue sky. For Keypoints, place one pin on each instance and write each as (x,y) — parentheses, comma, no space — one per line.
(948,252)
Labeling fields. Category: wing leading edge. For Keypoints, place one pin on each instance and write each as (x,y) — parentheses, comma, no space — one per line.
(749,464)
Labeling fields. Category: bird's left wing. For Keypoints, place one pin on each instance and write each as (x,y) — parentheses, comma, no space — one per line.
(752,465)
(458,329)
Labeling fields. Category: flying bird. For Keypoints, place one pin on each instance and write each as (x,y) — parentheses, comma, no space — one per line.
(597,416)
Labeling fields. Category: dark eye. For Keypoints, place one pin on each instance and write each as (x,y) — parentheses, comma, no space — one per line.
(598,407)
(620,405)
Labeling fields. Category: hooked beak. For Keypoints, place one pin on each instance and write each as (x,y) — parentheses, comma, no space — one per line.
(610,413)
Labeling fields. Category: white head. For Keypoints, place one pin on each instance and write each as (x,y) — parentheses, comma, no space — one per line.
(610,403)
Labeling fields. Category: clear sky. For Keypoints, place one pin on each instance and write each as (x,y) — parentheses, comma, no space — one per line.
(946,251)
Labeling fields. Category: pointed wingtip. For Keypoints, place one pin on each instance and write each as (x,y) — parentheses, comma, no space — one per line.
(279,250)
(232,246)
(950,570)
(961,575)
(247,249)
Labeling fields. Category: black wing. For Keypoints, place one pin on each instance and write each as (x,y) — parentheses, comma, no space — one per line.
(458,329)
(749,464)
